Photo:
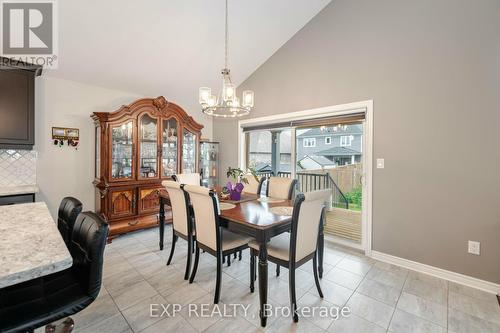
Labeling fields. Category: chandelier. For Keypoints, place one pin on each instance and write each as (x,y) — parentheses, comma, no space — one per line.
(226,104)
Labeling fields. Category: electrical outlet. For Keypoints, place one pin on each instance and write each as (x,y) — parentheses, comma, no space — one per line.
(474,248)
(380,163)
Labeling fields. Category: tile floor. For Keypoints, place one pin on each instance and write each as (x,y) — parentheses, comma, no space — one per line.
(381,297)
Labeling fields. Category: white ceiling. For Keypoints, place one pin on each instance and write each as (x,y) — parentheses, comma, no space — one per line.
(172,47)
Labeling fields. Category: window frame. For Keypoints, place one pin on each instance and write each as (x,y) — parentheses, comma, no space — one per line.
(328,140)
(312,145)
(350,138)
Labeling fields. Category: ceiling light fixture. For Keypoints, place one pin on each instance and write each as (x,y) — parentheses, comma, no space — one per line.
(226,104)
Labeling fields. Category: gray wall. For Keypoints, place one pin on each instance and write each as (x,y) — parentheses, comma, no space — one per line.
(432,68)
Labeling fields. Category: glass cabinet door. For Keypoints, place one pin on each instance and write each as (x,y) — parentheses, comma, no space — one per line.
(169,147)
(122,151)
(209,159)
(148,147)
(188,152)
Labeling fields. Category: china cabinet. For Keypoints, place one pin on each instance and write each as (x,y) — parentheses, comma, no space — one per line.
(137,147)
(209,163)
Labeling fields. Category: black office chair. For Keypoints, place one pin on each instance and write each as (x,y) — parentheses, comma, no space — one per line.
(66,217)
(32,304)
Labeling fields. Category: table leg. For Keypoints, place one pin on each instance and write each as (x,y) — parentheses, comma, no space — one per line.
(263,282)
(162,221)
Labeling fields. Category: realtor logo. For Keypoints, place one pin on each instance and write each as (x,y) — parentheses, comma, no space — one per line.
(29,30)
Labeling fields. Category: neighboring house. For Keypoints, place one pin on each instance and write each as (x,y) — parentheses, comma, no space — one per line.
(317,148)
(314,163)
(267,168)
(341,146)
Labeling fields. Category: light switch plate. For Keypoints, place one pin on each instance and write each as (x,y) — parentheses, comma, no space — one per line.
(474,248)
(380,163)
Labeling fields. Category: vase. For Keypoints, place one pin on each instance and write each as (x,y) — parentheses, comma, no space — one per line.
(235,195)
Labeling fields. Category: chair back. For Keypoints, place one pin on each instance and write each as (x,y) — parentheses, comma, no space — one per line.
(206,216)
(180,208)
(308,212)
(68,211)
(87,249)
(254,186)
(281,187)
(188,178)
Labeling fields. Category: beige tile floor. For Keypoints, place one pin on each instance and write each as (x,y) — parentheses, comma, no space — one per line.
(381,297)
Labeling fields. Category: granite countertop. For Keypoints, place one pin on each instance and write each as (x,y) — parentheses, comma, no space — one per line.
(30,244)
(22,189)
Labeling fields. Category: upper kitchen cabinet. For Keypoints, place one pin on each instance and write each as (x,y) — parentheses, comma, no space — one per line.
(17,104)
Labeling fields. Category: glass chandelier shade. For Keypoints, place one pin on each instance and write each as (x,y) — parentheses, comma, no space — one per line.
(226,104)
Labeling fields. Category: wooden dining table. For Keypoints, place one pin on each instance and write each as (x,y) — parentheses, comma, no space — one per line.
(252,217)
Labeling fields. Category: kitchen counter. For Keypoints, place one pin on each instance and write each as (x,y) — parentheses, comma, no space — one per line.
(30,244)
(16,190)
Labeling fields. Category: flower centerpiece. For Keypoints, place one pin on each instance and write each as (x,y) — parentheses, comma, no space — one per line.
(238,176)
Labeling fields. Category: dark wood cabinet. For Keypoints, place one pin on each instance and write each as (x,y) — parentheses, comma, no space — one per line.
(137,147)
(17,104)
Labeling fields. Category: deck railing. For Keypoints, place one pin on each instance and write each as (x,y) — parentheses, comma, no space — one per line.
(307,182)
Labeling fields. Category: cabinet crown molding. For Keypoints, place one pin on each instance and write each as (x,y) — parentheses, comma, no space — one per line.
(158,106)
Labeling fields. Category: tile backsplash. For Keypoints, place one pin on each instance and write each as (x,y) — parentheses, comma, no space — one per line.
(17,167)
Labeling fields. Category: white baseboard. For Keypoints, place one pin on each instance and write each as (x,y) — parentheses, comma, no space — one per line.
(469,281)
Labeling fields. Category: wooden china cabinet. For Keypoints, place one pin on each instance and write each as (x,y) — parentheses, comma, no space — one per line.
(137,147)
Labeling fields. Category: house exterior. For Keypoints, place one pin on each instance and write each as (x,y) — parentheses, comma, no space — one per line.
(340,145)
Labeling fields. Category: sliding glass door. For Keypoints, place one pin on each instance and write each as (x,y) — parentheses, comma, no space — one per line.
(330,157)
(326,156)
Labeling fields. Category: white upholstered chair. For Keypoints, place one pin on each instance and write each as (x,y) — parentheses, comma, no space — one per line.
(254,186)
(182,224)
(291,250)
(280,187)
(188,178)
(211,237)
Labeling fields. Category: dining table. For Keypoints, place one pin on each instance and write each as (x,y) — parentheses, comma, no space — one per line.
(30,244)
(253,216)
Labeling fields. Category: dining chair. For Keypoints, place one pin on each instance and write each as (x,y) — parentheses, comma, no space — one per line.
(254,186)
(44,300)
(291,250)
(182,225)
(68,211)
(281,187)
(187,178)
(211,237)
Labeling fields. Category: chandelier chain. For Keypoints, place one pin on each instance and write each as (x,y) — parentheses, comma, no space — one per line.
(226,39)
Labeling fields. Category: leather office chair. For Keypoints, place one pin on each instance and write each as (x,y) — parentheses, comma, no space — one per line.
(66,217)
(32,304)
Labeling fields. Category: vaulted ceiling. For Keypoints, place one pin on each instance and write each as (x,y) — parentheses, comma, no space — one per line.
(172,47)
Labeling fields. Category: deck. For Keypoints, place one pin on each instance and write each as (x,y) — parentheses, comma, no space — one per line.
(344,223)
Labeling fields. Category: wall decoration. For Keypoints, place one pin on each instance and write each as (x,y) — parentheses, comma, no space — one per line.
(63,136)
